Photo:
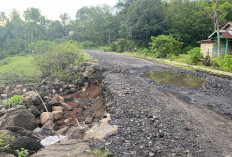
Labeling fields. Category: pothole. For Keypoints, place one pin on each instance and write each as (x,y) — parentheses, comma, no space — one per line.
(175,79)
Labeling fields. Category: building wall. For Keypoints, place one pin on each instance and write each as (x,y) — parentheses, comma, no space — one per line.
(223,48)
(207,49)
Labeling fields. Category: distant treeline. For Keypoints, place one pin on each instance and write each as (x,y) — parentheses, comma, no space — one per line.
(133,20)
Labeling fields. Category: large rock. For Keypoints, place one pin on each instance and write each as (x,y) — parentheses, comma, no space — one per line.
(26,142)
(34,110)
(18,116)
(72,148)
(46,116)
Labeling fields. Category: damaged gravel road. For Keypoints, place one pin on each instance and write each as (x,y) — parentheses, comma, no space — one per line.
(159,120)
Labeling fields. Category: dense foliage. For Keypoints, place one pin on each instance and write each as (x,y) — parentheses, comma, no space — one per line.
(122,45)
(195,55)
(164,45)
(134,20)
(57,62)
(225,63)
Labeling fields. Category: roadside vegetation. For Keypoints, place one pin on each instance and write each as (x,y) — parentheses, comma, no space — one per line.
(170,30)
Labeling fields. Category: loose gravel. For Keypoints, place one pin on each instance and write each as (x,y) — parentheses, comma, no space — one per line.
(159,120)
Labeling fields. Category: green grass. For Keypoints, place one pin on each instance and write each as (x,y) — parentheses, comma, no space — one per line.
(182,58)
(18,68)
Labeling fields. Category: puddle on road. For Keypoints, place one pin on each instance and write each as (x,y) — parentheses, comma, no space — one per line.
(175,79)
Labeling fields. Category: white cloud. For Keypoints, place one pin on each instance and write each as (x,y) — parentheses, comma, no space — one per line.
(51,8)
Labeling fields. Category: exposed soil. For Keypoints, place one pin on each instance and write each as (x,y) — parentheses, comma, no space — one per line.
(155,119)
(87,103)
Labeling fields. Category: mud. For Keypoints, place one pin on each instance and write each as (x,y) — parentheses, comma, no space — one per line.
(174,79)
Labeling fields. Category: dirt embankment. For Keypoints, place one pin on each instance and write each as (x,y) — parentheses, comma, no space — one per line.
(155,119)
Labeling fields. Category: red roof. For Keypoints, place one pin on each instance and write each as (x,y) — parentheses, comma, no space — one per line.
(227,34)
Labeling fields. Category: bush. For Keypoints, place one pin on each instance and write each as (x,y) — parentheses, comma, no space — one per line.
(57,62)
(163,45)
(122,45)
(86,45)
(15,100)
(195,55)
(41,46)
(225,63)
(22,153)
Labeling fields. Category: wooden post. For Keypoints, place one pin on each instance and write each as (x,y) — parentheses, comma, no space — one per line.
(218,34)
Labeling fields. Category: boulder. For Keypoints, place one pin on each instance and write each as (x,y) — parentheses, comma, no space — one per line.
(18,116)
(25,142)
(34,110)
(46,116)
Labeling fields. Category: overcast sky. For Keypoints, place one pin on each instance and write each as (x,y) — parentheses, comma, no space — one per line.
(51,8)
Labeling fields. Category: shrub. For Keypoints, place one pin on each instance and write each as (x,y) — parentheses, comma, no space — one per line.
(15,100)
(41,46)
(146,51)
(86,45)
(195,55)
(22,153)
(225,63)
(163,45)
(99,153)
(122,45)
(57,62)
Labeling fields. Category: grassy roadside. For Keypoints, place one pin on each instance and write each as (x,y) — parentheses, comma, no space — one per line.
(181,61)
(18,68)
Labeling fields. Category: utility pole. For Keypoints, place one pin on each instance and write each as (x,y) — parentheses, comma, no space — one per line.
(217,26)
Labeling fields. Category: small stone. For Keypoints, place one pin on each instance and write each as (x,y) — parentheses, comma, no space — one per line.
(18,86)
(53,91)
(68,98)
(66,120)
(57,108)
(57,115)
(151,154)
(188,127)
(59,122)
(61,99)
(161,134)
(24,90)
(88,120)
(4,95)
(69,108)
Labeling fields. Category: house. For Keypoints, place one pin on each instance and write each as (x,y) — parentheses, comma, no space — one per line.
(209,46)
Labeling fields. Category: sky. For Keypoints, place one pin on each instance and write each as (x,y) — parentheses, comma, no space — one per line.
(51,8)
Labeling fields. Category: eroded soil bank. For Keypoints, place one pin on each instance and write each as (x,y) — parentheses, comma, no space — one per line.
(155,119)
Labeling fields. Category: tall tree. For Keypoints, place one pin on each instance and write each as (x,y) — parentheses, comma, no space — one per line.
(145,18)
